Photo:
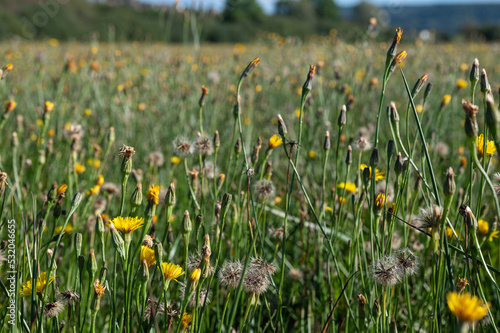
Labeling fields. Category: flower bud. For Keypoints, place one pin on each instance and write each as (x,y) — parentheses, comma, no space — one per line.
(281,127)
(186,224)
(327,144)
(391,53)
(471,127)
(226,202)
(76,200)
(374,158)
(390,148)
(237,146)
(307,85)
(136,198)
(342,117)
(474,72)
(419,84)
(468,216)
(485,85)
(449,183)
(427,91)
(78,244)
(492,117)
(216,140)
(158,253)
(91,263)
(348,159)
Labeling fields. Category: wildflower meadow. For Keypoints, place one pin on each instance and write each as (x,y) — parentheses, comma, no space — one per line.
(277,186)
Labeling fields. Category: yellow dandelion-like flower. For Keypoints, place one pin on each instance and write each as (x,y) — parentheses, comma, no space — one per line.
(153,194)
(483,227)
(27,286)
(379,175)
(493,235)
(49,106)
(99,289)
(127,224)
(419,108)
(68,229)
(490,146)
(94,190)
(175,160)
(79,168)
(275,141)
(312,154)
(446,100)
(349,187)
(171,271)
(461,84)
(148,256)
(380,201)
(100,180)
(10,105)
(62,189)
(8,68)
(186,320)
(328,209)
(466,307)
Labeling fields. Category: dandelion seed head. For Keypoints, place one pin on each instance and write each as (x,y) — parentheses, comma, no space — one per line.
(203,145)
(182,146)
(264,189)
(407,260)
(255,282)
(430,217)
(230,274)
(53,309)
(385,271)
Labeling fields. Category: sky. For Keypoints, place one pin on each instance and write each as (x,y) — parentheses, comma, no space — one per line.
(268,5)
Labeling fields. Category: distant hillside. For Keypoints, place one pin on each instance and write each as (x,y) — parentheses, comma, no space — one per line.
(447,19)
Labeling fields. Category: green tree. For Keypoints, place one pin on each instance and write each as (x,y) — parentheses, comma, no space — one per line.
(326,9)
(243,10)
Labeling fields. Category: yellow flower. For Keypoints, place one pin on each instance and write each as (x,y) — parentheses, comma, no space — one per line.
(8,67)
(100,180)
(379,175)
(153,193)
(148,256)
(380,201)
(99,289)
(466,307)
(52,132)
(493,235)
(171,271)
(312,154)
(461,84)
(62,189)
(127,224)
(328,209)
(446,100)
(490,146)
(483,227)
(68,229)
(175,160)
(195,276)
(10,105)
(41,282)
(419,108)
(349,187)
(186,320)
(461,284)
(277,200)
(79,168)
(275,141)
(49,106)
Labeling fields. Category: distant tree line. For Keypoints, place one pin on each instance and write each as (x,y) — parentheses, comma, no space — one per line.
(239,21)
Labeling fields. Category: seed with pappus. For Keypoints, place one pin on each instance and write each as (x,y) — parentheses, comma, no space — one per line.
(386,271)
(407,261)
(264,189)
(182,146)
(230,274)
(53,309)
(261,266)
(255,282)
(203,145)
(430,217)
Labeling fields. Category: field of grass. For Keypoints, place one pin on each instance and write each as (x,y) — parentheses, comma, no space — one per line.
(156,188)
